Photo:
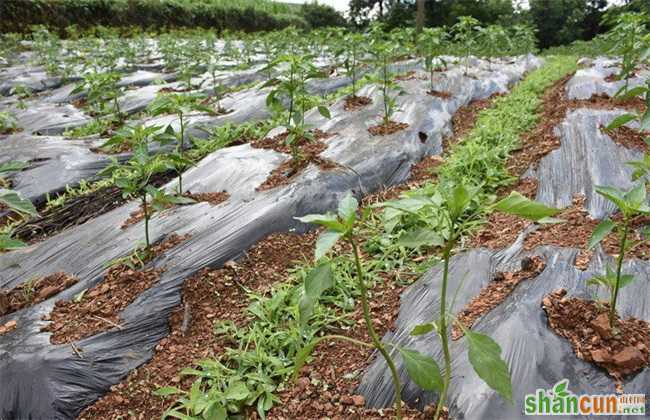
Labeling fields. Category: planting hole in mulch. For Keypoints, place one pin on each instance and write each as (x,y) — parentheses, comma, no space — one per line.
(410,75)
(309,151)
(384,129)
(439,94)
(621,351)
(352,103)
(34,291)
(502,230)
(629,138)
(97,309)
(495,293)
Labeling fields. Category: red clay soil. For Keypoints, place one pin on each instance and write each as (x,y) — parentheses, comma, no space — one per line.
(309,151)
(540,141)
(629,138)
(325,387)
(99,308)
(492,295)
(387,129)
(621,351)
(502,230)
(34,291)
(8,326)
(439,94)
(352,103)
(210,295)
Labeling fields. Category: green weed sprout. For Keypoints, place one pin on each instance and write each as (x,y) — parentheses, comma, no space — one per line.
(631,204)
(14,201)
(8,123)
(341,227)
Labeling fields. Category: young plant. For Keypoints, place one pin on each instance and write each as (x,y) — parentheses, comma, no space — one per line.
(352,50)
(441,219)
(631,204)
(493,39)
(291,86)
(134,179)
(181,105)
(431,42)
(8,123)
(465,36)
(341,227)
(15,202)
(631,41)
(102,93)
(643,119)
(384,51)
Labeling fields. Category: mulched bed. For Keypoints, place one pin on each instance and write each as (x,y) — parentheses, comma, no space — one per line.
(439,94)
(310,151)
(621,351)
(34,291)
(352,103)
(210,295)
(99,308)
(214,198)
(502,230)
(492,295)
(77,210)
(540,141)
(387,129)
(629,138)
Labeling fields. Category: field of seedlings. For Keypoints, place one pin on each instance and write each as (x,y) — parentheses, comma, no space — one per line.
(327,224)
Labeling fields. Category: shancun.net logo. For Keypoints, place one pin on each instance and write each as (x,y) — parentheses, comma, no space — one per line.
(560,401)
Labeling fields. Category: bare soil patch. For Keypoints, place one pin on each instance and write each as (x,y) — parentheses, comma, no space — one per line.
(621,351)
(629,138)
(352,103)
(34,291)
(492,295)
(99,307)
(439,94)
(383,129)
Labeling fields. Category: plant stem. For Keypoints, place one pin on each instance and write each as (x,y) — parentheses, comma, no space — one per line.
(443,328)
(619,266)
(146,220)
(373,335)
(181,148)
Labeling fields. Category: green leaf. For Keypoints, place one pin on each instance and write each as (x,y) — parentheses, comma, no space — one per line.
(7,243)
(636,196)
(631,93)
(423,329)
(521,206)
(485,357)
(560,389)
(422,369)
(625,280)
(614,195)
(324,112)
(12,166)
(304,353)
(236,391)
(602,230)
(348,209)
(319,279)
(325,242)
(328,220)
(459,199)
(16,202)
(167,390)
(645,121)
(620,121)
(420,237)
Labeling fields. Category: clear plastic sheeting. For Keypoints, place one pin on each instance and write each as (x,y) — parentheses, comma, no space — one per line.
(40,380)
(536,356)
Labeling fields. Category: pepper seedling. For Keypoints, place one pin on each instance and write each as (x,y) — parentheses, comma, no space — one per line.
(181,105)
(431,42)
(341,227)
(384,51)
(465,36)
(440,220)
(631,204)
